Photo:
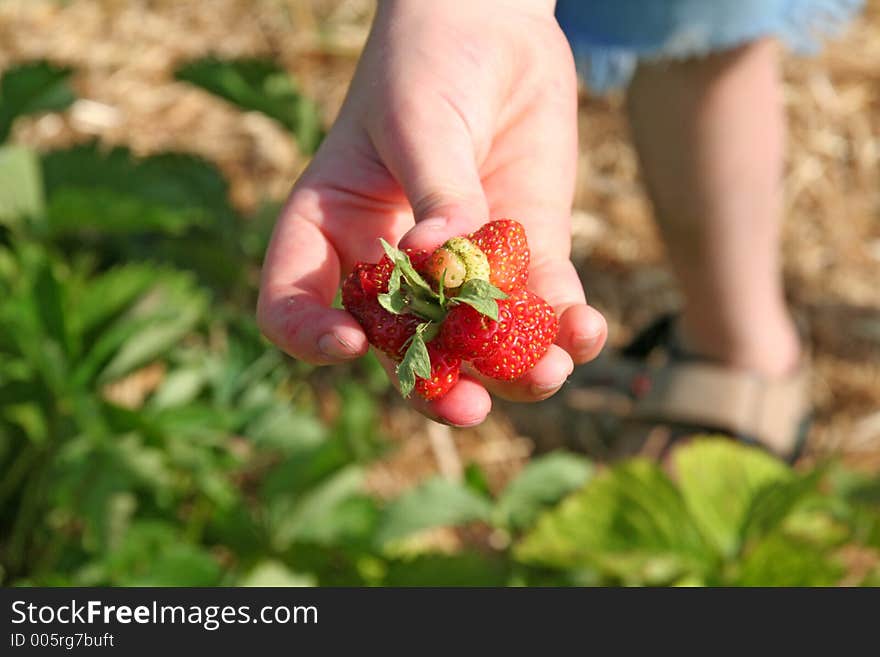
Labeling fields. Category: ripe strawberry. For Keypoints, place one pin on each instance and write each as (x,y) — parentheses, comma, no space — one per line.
(534,330)
(469,334)
(384,330)
(504,243)
(445,369)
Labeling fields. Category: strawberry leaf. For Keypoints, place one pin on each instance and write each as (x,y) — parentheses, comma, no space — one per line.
(402,262)
(395,302)
(416,362)
(481,288)
(481,296)
(394,281)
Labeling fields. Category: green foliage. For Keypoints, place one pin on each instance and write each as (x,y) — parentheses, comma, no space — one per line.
(543,482)
(32,88)
(436,503)
(21,192)
(260,85)
(735,516)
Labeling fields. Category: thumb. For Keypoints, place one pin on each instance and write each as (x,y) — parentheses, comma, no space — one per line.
(430,152)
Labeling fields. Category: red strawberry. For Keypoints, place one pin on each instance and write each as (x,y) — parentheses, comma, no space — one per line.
(469,334)
(534,330)
(445,369)
(507,250)
(384,330)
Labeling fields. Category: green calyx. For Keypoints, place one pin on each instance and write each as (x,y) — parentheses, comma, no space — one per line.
(409,293)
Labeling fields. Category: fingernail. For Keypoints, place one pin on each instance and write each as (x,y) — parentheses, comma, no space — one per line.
(333,346)
(546,389)
(434,223)
(467,424)
(423,231)
(584,343)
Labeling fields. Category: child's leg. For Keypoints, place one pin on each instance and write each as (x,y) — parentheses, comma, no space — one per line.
(710,135)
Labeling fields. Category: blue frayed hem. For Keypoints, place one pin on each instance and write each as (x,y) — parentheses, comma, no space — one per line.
(802,27)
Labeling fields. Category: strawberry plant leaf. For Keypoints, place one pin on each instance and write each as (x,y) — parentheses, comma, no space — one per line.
(394,303)
(487,307)
(629,522)
(394,281)
(480,288)
(21,185)
(402,262)
(416,362)
(481,296)
(720,480)
(543,482)
(390,251)
(261,85)
(436,503)
(31,88)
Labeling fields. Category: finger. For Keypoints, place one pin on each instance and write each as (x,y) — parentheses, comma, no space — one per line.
(465,405)
(428,148)
(582,329)
(299,280)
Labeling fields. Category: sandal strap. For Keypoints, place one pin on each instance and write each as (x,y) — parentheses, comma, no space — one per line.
(768,411)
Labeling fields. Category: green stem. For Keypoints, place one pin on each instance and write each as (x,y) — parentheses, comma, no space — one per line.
(426,309)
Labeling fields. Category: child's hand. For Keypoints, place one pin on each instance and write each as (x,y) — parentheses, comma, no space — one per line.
(460,111)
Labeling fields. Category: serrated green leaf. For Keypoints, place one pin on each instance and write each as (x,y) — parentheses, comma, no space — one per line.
(477,287)
(394,281)
(110,192)
(393,302)
(403,264)
(719,480)
(21,185)
(480,295)
(629,522)
(30,88)
(110,293)
(487,307)
(776,501)
(325,513)
(781,561)
(544,481)
(436,503)
(259,85)
(50,303)
(416,362)
(392,252)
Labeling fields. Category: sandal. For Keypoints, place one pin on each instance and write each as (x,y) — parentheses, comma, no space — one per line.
(653,381)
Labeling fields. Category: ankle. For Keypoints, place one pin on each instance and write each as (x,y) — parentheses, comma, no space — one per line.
(773,350)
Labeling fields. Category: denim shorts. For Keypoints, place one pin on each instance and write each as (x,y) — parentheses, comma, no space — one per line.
(609,37)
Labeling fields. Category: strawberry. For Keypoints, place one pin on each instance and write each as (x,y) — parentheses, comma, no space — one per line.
(504,243)
(445,369)
(360,290)
(469,334)
(466,301)
(534,330)
(385,331)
